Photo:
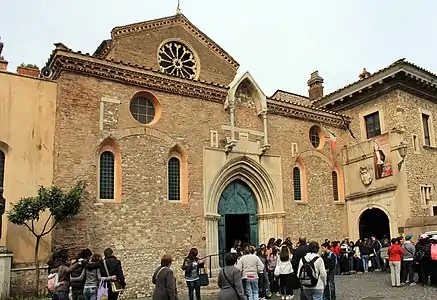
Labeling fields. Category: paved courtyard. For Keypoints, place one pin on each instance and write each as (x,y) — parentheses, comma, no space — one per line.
(375,286)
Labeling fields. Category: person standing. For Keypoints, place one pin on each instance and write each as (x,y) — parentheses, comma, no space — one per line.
(250,266)
(164,281)
(312,265)
(109,267)
(407,275)
(285,271)
(191,266)
(377,246)
(229,280)
(395,253)
(329,259)
(423,254)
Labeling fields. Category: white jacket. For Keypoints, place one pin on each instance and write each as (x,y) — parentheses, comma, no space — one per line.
(285,267)
(319,266)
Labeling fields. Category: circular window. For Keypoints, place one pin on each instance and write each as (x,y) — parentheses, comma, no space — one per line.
(144,108)
(315,132)
(175,58)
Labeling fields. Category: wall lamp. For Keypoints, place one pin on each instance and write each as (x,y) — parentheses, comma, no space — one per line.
(402,149)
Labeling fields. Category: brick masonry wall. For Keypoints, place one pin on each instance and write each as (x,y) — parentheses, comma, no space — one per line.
(142,49)
(23,282)
(328,219)
(145,226)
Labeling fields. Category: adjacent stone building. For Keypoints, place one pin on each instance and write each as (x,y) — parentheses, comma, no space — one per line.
(179,152)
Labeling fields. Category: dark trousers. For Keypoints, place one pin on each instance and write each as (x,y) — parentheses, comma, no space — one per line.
(274,287)
(329,293)
(112,295)
(407,271)
(285,281)
(62,295)
(432,269)
(193,286)
(77,294)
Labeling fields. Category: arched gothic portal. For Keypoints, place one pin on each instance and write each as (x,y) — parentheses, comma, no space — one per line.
(374,222)
(238,219)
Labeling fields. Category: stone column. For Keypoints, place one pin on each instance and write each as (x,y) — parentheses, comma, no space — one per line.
(212,246)
(5,275)
(232,117)
(266,138)
(270,225)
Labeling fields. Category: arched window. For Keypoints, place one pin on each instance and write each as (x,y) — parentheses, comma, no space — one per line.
(297,184)
(2,168)
(174,179)
(335,186)
(107,175)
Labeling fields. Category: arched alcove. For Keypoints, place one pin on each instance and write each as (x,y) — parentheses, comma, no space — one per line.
(374,222)
(109,171)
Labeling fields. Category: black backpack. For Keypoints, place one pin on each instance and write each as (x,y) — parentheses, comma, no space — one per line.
(308,275)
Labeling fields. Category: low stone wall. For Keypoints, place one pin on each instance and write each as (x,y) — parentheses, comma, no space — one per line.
(23,281)
(418,225)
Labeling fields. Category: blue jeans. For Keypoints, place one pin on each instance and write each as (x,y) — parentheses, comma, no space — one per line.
(193,286)
(252,289)
(312,294)
(365,259)
(90,293)
(330,287)
(62,295)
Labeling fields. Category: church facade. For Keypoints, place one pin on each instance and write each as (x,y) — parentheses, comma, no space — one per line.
(177,151)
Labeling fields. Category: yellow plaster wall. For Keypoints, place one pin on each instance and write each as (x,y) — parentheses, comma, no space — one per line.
(27,119)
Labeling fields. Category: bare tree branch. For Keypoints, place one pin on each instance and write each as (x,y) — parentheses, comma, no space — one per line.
(30,229)
(51,228)
(44,228)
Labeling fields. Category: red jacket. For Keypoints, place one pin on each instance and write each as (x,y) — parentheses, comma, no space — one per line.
(395,252)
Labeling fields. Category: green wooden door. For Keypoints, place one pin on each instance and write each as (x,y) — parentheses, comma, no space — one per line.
(237,199)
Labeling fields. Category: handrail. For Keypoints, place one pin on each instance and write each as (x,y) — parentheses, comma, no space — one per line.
(210,262)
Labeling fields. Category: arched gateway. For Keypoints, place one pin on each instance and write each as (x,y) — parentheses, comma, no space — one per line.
(238,219)
(243,191)
(374,222)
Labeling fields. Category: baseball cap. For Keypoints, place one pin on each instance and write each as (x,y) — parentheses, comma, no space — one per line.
(434,237)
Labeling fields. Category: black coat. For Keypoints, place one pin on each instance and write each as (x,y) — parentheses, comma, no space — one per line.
(114,268)
(299,253)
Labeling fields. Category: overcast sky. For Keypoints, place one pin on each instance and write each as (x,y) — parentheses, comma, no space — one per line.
(280,42)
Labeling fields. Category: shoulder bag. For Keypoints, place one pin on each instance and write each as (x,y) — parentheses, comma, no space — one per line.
(231,284)
(115,285)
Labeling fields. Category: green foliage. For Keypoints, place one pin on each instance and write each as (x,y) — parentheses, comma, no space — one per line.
(61,205)
(29,66)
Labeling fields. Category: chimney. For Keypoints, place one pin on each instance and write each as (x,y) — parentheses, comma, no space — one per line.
(3,62)
(364,75)
(28,70)
(316,86)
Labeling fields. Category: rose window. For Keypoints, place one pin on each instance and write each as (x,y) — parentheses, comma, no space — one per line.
(176,59)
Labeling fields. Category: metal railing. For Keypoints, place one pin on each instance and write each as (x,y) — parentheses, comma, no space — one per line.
(209,257)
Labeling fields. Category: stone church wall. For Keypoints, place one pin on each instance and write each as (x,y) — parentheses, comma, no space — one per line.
(141,48)
(328,219)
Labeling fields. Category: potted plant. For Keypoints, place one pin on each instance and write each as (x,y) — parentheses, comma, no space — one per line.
(3,64)
(28,69)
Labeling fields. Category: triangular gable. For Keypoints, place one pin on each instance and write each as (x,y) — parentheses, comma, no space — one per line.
(179,19)
(260,98)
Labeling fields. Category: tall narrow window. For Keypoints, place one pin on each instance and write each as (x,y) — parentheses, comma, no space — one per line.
(373,127)
(2,168)
(335,185)
(106,175)
(425,194)
(174,179)
(426,131)
(297,184)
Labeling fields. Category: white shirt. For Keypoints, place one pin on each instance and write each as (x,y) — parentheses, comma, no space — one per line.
(319,266)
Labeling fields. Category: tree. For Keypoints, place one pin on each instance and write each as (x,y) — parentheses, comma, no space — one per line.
(61,205)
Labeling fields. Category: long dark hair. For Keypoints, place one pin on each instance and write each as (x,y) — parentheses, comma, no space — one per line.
(284,255)
(192,255)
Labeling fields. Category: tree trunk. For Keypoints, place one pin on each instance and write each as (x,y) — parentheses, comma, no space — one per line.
(37,266)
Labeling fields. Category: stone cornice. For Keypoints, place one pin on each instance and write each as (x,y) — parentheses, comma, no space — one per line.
(306,113)
(371,192)
(171,21)
(63,60)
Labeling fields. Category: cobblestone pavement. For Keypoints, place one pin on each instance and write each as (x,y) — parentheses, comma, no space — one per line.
(375,286)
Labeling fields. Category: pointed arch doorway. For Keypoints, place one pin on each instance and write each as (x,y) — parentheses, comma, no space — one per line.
(238,217)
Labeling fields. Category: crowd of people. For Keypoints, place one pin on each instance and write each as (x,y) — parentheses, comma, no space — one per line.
(280,268)
(86,277)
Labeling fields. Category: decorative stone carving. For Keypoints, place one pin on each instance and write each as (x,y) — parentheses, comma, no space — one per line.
(366,175)
(177,59)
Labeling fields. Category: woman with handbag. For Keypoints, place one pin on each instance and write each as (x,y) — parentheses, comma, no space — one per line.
(229,280)
(164,281)
(192,265)
(109,267)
